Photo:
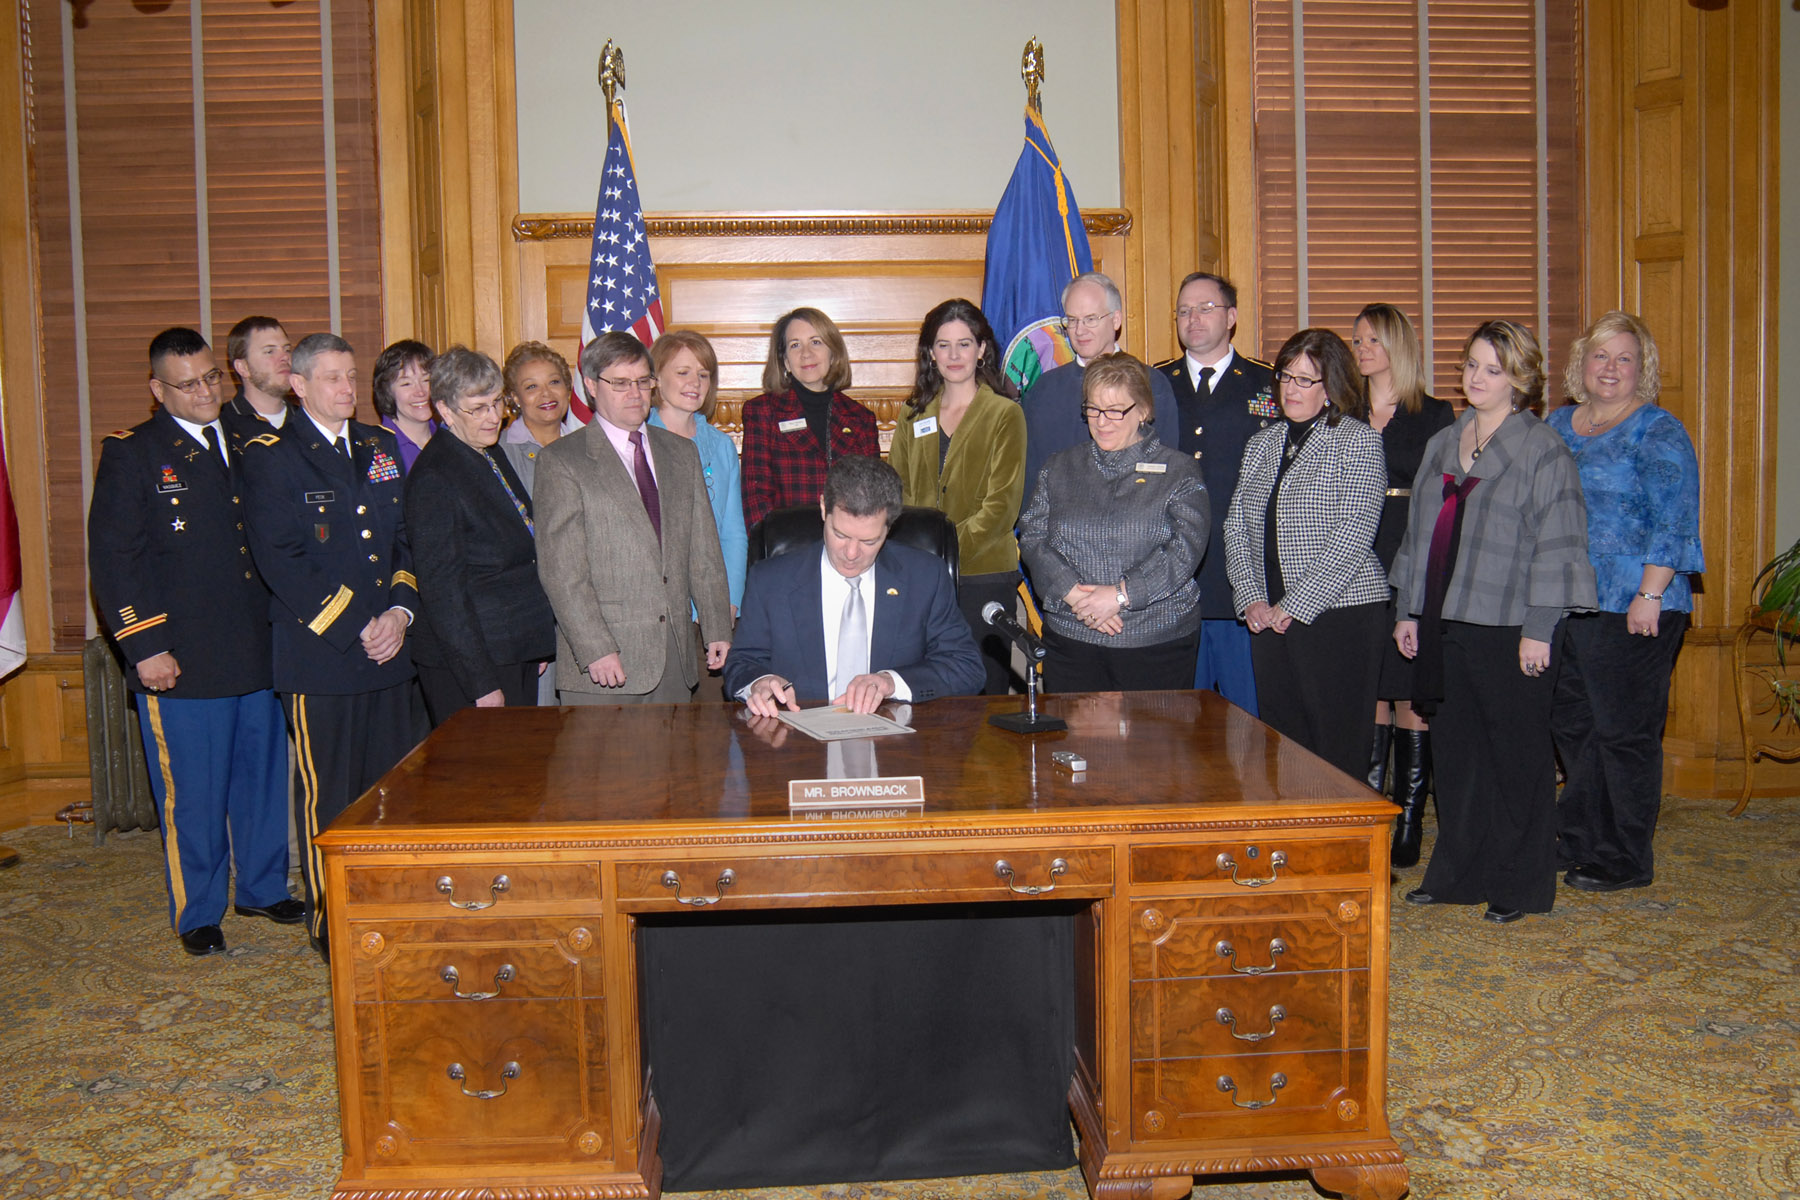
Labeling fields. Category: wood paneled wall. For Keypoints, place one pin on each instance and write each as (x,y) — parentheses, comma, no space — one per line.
(730,275)
(1682,214)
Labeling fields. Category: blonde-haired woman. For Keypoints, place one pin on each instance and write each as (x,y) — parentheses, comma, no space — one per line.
(1386,347)
(803,421)
(1495,555)
(1642,483)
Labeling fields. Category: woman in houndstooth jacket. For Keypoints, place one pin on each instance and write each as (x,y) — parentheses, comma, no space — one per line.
(1299,548)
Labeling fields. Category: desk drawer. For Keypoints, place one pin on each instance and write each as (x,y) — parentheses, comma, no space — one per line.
(1310,1010)
(485,960)
(794,882)
(1251,863)
(517,1081)
(1249,1095)
(1259,936)
(498,888)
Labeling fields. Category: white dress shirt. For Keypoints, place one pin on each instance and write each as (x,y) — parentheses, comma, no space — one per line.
(834,590)
(1194,367)
(199,432)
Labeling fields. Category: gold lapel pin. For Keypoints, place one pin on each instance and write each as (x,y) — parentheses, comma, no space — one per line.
(893,591)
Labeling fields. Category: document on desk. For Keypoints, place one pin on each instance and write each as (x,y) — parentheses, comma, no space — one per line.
(835,724)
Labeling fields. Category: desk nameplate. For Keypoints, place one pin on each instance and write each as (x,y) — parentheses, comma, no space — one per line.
(850,796)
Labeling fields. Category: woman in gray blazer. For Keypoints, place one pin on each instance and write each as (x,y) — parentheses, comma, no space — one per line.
(1300,551)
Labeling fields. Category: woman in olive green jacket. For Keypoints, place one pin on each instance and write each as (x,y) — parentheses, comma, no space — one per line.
(960,447)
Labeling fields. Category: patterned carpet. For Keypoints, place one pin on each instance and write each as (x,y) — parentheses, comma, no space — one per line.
(1638,1046)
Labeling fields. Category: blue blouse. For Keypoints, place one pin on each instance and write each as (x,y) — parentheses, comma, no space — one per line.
(719,458)
(1642,485)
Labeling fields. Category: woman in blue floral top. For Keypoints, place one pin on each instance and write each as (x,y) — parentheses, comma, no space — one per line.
(1642,484)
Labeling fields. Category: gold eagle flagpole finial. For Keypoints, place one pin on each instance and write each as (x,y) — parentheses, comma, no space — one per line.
(612,73)
(1031,69)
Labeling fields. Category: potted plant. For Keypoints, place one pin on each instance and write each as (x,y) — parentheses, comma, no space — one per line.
(1777,589)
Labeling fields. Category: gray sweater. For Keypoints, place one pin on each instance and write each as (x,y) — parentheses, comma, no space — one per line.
(1096,517)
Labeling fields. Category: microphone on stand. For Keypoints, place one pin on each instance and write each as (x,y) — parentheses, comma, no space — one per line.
(995,614)
(1029,721)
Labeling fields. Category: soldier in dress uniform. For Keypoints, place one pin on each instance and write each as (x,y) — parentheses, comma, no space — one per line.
(328,533)
(175,585)
(1224,398)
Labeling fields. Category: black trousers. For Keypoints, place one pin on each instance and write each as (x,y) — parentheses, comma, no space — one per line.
(1496,775)
(1612,698)
(1072,666)
(444,695)
(974,593)
(342,745)
(1316,683)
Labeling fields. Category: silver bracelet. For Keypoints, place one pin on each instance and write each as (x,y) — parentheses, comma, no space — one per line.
(1657,596)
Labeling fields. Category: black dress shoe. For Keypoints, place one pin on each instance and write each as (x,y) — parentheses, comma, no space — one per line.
(1593,879)
(282,912)
(1420,896)
(205,940)
(1503,916)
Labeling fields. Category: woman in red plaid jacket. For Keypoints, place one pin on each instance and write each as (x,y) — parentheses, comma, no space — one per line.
(802,421)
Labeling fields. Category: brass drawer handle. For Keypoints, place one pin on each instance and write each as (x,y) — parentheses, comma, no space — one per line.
(447,885)
(508,1072)
(672,881)
(1227,1018)
(1058,867)
(1227,863)
(1277,1081)
(1227,951)
(503,975)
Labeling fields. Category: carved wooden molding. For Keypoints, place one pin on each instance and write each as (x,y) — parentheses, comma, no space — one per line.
(546,227)
(653,842)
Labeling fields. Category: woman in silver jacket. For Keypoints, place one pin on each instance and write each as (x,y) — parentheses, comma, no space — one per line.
(1112,536)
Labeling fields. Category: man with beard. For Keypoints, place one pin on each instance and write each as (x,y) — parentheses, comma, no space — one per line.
(261,355)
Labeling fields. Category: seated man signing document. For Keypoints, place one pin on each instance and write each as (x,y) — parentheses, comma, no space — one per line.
(857,624)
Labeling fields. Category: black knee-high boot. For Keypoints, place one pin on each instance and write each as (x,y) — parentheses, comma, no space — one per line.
(1412,781)
(1378,757)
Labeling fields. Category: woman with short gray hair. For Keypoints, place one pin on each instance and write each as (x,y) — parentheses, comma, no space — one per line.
(484,627)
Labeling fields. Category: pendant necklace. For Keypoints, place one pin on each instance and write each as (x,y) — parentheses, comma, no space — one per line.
(1482,443)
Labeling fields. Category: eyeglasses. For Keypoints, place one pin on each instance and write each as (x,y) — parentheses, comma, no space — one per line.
(1199,310)
(1300,381)
(629,387)
(1088,322)
(482,411)
(191,387)
(1109,416)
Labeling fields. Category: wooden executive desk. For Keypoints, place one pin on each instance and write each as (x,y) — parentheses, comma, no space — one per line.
(1231,969)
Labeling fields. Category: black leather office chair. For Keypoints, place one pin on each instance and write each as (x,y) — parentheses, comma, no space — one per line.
(787,529)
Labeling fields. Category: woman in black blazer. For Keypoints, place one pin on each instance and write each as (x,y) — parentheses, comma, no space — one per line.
(484,628)
(1386,347)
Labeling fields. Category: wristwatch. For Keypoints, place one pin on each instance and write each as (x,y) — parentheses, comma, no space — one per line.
(1119,595)
(1657,596)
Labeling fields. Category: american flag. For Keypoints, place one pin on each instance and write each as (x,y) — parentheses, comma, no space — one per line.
(622,291)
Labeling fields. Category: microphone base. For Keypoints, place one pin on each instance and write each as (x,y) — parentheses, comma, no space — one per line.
(1024,722)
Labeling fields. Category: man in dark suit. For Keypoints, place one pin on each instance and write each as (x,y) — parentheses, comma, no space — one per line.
(262,359)
(327,528)
(175,587)
(1094,317)
(1224,398)
(857,624)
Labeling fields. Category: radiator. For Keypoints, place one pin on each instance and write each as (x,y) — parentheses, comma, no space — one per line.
(121,783)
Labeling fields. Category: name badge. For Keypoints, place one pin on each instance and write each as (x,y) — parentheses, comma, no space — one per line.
(1153,468)
(320,497)
(793,426)
(925,427)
